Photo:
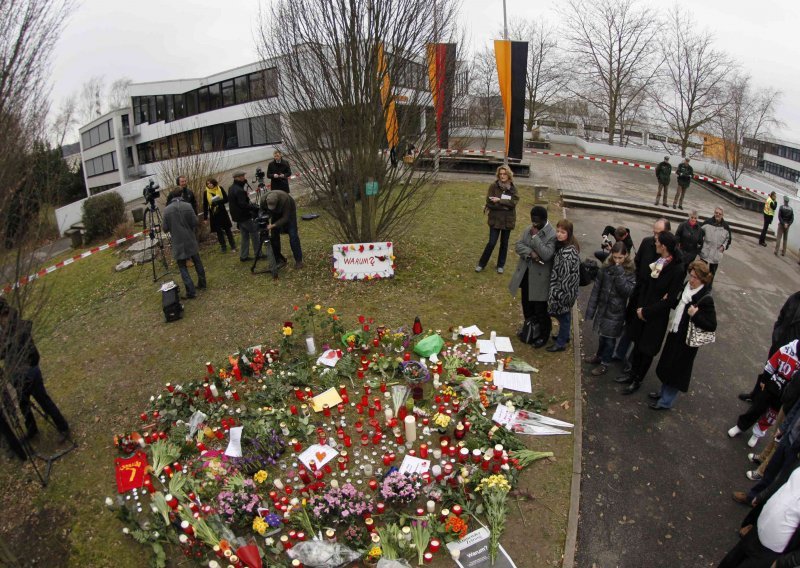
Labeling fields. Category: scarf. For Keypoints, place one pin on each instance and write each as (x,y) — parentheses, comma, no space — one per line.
(504,185)
(677,313)
(211,194)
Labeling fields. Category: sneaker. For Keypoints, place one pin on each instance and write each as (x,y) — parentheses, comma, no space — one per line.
(599,371)
(755,458)
(741,497)
(478,268)
(499,269)
(733,432)
(753,475)
(753,441)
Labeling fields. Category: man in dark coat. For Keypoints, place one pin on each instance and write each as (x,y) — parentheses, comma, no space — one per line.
(185,192)
(663,173)
(283,219)
(242,213)
(279,172)
(785,220)
(690,238)
(180,221)
(685,173)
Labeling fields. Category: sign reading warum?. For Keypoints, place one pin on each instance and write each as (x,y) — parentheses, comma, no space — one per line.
(363,261)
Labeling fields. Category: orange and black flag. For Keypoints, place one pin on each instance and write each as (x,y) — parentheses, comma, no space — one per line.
(512,64)
(387,98)
(441,74)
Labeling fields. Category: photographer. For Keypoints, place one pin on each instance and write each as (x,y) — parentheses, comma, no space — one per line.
(279,172)
(283,219)
(242,212)
(610,237)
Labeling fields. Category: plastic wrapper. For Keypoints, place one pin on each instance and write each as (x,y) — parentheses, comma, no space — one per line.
(400,563)
(322,554)
(428,346)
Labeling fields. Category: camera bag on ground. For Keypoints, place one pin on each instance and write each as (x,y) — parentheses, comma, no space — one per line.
(588,271)
(171,301)
(530,332)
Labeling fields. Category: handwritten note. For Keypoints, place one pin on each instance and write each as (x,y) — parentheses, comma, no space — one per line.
(413,465)
(318,454)
(503,415)
(520,382)
(486,346)
(503,344)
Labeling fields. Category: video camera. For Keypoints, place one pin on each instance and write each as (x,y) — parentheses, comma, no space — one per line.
(151,192)
(262,220)
(259,176)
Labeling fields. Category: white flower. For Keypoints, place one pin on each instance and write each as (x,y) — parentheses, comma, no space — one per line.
(126,530)
(269,541)
(152,399)
(183,538)
(109,502)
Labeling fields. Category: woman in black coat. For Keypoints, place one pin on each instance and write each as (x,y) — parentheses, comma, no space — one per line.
(695,304)
(657,295)
(214,200)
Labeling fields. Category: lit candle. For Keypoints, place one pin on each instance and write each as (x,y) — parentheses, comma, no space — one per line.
(411,428)
(431,506)
(434,545)
(388,414)
(423,451)
(428,557)
(437,454)
(209,368)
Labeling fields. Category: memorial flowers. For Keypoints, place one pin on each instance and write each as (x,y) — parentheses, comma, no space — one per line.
(494,490)
(341,504)
(398,488)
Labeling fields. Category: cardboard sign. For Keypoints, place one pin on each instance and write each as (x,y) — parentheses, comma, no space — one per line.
(363,261)
(130,471)
(473,552)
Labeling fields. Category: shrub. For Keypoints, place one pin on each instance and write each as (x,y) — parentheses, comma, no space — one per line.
(124,229)
(102,214)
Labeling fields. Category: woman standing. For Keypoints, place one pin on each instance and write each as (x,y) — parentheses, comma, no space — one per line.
(657,296)
(214,200)
(695,304)
(613,287)
(564,282)
(501,203)
(770,205)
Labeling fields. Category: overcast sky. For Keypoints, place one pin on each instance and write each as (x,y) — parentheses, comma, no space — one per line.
(152,40)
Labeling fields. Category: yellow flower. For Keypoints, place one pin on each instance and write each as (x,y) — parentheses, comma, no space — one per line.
(375,552)
(317,307)
(259,525)
(498,482)
(331,311)
(441,420)
(260,476)
(287,331)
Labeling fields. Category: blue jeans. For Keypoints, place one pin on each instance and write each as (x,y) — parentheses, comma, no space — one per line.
(487,251)
(564,321)
(668,396)
(605,349)
(187,280)
(294,243)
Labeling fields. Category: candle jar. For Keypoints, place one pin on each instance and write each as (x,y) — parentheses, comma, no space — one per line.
(347,441)
(434,545)
(373,484)
(430,506)
(296,445)
(423,451)
(498,451)
(380,508)
(437,454)
(326,410)
(463,455)
(476,455)
(428,557)
(457,510)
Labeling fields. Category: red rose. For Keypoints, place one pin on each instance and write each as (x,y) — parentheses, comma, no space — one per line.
(361,319)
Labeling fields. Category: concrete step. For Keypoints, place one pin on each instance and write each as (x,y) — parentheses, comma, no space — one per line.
(610,203)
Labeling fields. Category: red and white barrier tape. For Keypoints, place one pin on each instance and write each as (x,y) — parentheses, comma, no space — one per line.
(66,262)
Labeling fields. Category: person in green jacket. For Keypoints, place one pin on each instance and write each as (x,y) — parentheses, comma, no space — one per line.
(663,171)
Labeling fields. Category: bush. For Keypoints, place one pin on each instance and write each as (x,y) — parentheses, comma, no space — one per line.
(124,229)
(102,214)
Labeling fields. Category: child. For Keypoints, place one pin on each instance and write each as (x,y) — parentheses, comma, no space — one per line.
(612,288)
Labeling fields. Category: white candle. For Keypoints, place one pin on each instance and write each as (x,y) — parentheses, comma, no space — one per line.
(334,483)
(436,470)
(278,483)
(411,428)
(431,506)
(492,336)
(214,391)
(310,346)
(388,413)
(437,454)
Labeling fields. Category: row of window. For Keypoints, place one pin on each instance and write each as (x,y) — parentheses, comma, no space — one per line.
(781,171)
(101,164)
(102,188)
(97,135)
(244,133)
(235,91)
(782,151)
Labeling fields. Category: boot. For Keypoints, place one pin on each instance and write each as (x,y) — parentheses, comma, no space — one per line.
(632,388)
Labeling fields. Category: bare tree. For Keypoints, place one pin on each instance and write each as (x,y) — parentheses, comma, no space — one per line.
(65,120)
(196,168)
(691,94)
(546,79)
(344,65)
(28,32)
(90,99)
(118,96)
(485,111)
(748,114)
(615,53)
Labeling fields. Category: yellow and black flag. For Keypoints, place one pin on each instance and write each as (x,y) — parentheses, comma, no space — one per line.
(512,64)
(441,74)
(387,99)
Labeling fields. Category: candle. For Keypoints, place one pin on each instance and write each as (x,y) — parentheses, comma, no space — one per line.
(359,427)
(498,451)
(347,441)
(209,368)
(377,403)
(284,429)
(455,553)
(410,428)
(285,542)
(383,387)
(428,558)
(388,414)
(213,389)
(371,412)
(342,464)
(296,445)
(437,454)
(476,455)
(434,545)
(330,534)
(431,506)
(463,455)
(326,410)
(423,451)
(380,507)
(298,393)
(457,510)
(171,501)
(310,346)
(437,472)
(277,483)
(460,431)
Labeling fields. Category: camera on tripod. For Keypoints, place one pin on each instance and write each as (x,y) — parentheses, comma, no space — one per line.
(260,175)
(262,220)
(151,192)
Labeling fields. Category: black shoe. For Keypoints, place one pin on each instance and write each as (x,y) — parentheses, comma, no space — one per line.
(539,343)
(202,284)
(653,395)
(248,259)
(189,297)
(763,244)
(555,348)
(624,380)
(281,264)
(654,406)
(745,397)
(681,208)
(631,388)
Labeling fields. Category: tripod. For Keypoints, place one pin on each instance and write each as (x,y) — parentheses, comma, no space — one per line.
(265,244)
(152,226)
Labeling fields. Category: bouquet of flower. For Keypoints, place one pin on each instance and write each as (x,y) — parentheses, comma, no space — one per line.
(414,372)
(396,340)
(420,536)
(239,506)
(398,488)
(340,504)
(494,489)
(455,528)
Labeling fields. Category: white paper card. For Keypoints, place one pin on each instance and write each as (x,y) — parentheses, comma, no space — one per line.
(486,358)
(524,415)
(486,346)
(472,330)
(520,382)
(503,415)
(503,344)
(414,466)
(318,454)
(473,551)
(329,358)
(234,449)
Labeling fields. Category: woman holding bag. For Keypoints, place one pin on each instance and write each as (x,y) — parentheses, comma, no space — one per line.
(501,203)
(695,305)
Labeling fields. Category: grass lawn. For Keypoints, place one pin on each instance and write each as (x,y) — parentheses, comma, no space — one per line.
(106,349)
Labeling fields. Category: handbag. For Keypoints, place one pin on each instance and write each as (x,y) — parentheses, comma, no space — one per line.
(696,337)
(530,332)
